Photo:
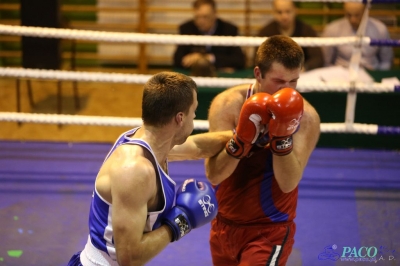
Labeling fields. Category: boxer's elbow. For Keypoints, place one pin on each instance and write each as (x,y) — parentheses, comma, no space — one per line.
(287,189)
(130,258)
(128,261)
(213,181)
(212,178)
(287,186)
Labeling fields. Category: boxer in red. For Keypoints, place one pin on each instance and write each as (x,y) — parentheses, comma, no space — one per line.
(256,177)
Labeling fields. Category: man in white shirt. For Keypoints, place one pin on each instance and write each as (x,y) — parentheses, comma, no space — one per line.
(373,57)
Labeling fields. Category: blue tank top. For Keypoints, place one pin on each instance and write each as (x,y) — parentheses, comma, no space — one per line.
(100,215)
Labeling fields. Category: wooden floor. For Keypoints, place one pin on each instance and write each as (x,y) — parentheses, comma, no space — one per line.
(96,99)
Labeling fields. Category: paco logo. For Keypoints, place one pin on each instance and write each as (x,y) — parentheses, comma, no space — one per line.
(329,253)
(361,252)
(354,254)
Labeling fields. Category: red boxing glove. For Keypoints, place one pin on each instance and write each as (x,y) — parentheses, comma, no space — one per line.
(286,109)
(252,121)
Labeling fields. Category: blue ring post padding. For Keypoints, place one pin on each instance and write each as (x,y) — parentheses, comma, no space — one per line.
(396,88)
(388,130)
(384,42)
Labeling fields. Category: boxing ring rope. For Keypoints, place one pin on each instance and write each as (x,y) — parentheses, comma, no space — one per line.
(302,86)
(123,37)
(198,124)
(201,82)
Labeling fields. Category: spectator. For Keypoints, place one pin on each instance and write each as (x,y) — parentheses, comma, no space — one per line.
(373,57)
(206,22)
(286,23)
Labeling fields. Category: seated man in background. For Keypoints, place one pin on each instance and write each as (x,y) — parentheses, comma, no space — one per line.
(373,57)
(286,23)
(222,58)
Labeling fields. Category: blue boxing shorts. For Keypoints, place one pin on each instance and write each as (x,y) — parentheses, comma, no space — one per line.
(75,260)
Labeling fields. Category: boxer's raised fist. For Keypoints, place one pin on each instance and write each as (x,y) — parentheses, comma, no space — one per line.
(286,109)
(252,121)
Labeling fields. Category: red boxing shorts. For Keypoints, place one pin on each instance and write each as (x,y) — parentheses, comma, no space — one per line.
(255,244)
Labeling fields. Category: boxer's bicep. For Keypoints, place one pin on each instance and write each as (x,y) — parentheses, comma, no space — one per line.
(133,186)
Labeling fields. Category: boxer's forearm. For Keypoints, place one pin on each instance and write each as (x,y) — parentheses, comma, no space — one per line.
(288,169)
(200,146)
(220,167)
(150,246)
(287,172)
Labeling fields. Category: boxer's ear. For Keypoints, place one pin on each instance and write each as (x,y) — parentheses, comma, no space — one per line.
(257,74)
(179,118)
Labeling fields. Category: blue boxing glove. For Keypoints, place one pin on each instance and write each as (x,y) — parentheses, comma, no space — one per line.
(196,205)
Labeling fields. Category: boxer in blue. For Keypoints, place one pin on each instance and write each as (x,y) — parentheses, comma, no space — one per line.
(135,211)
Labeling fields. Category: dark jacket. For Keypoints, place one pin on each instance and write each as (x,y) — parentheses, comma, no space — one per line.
(225,56)
(313,57)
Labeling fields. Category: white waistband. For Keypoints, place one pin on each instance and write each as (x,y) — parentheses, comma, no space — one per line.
(91,256)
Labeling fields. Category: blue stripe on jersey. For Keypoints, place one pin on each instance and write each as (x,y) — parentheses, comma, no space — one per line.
(267,202)
(98,219)
(250,91)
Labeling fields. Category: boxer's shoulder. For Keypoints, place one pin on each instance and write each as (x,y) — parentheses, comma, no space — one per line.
(230,99)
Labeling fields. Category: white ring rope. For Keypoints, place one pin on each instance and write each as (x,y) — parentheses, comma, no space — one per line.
(166,38)
(134,122)
(302,86)
(82,120)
